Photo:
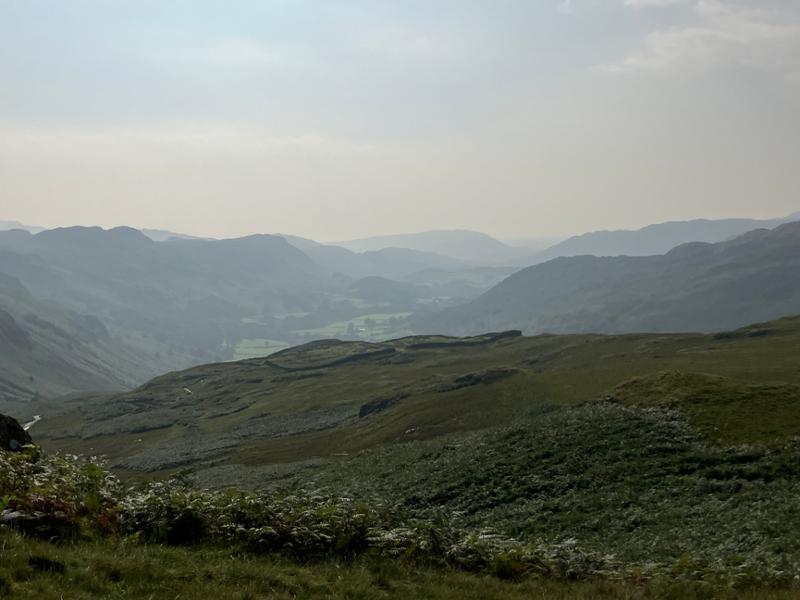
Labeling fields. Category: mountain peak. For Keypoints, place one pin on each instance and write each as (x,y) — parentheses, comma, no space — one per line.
(462,244)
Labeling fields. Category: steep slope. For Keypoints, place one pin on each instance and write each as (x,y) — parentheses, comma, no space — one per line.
(47,351)
(189,294)
(655,239)
(462,284)
(695,287)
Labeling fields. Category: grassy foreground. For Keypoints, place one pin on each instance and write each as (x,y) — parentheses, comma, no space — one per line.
(551,467)
(126,569)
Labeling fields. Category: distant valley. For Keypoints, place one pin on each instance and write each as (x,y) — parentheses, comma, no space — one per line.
(321,377)
(110,309)
(149,306)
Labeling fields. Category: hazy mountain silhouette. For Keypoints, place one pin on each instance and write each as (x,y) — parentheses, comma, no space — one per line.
(163,235)
(471,246)
(694,287)
(180,302)
(654,239)
(388,262)
(163,305)
(188,294)
(9,225)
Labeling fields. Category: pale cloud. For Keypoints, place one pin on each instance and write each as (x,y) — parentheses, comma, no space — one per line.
(161,141)
(400,43)
(241,53)
(721,33)
(343,119)
(652,3)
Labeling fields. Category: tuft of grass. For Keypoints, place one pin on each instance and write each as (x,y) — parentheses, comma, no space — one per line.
(110,569)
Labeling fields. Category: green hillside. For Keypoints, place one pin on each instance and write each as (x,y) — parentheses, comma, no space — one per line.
(330,397)
(663,465)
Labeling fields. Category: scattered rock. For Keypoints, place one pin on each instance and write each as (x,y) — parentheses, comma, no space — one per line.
(39,525)
(481,377)
(12,436)
(380,404)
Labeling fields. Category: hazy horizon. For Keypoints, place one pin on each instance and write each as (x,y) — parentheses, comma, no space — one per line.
(352,119)
(599,399)
(521,241)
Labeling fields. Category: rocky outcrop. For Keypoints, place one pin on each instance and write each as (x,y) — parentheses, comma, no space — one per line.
(380,404)
(40,525)
(12,436)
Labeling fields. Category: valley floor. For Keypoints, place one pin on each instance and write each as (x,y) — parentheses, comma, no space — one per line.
(126,569)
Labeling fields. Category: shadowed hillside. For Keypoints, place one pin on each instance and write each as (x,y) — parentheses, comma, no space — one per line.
(656,239)
(694,287)
(48,351)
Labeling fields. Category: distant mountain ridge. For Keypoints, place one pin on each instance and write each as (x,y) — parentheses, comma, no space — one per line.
(163,235)
(465,245)
(392,263)
(479,249)
(110,308)
(654,239)
(694,287)
(169,304)
(188,295)
(11,225)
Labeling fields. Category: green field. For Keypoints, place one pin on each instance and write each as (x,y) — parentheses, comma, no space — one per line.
(369,327)
(258,347)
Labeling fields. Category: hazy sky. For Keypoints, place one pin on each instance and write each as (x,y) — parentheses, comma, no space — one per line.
(336,119)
